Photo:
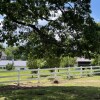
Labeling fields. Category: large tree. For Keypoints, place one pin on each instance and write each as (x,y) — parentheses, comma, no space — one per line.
(72,32)
(1,47)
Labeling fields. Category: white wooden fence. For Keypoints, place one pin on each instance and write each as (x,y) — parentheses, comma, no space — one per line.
(19,76)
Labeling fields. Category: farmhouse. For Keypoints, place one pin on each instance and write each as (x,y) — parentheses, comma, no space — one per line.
(19,65)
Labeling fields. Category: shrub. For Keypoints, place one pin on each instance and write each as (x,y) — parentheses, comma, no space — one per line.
(9,66)
(52,62)
(96,60)
(35,63)
(67,61)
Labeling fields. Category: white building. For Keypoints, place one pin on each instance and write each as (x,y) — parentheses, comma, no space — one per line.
(83,61)
(19,65)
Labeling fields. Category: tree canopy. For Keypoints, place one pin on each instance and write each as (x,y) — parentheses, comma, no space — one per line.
(1,49)
(72,32)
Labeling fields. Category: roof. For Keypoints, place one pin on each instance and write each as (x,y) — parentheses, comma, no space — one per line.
(16,63)
(83,60)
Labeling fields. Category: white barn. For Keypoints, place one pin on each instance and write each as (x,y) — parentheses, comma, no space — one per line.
(19,65)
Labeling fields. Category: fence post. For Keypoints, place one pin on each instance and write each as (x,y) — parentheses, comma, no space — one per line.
(91,71)
(38,75)
(55,73)
(81,73)
(68,72)
(18,83)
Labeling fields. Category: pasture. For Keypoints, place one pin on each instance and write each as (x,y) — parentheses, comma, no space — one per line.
(82,86)
(49,74)
(87,88)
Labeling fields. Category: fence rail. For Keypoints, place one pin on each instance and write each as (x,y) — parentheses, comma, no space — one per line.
(39,74)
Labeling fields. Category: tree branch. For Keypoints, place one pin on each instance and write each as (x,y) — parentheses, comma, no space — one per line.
(70,5)
(44,37)
(25,24)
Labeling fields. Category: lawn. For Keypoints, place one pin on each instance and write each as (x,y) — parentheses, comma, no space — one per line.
(87,88)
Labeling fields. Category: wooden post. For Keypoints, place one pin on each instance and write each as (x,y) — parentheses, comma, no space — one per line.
(18,78)
(68,72)
(81,72)
(91,70)
(55,73)
(38,75)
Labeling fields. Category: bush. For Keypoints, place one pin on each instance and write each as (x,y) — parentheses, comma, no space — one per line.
(67,61)
(52,62)
(9,66)
(96,60)
(35,63)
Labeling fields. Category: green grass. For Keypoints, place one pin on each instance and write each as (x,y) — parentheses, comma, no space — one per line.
(86,88)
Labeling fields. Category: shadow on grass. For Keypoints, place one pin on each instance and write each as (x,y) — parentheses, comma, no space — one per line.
(49,93)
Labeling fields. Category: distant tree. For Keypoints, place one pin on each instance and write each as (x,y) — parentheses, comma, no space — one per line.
(13,53)
(96,60)
(8,51)
(52,62)
(1,49)
(34,63)
(67,61)
(46,62)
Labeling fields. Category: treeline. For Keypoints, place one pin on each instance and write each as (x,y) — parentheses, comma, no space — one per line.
(51,62)
(14,53)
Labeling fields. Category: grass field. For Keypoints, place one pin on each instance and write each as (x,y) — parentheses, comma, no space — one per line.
(87,88)
(77,88)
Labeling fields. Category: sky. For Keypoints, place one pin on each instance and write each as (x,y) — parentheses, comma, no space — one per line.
(95,7)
